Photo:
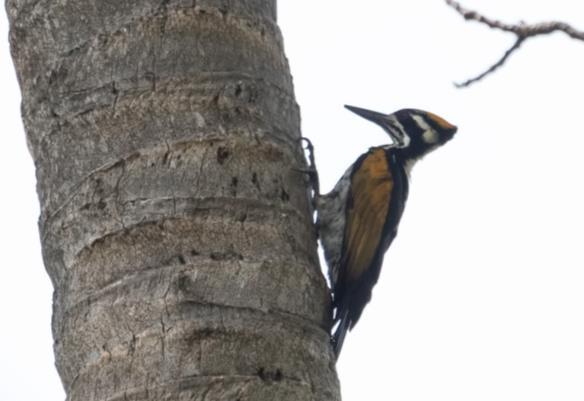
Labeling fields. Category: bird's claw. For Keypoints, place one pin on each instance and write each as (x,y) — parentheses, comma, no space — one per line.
(311,171)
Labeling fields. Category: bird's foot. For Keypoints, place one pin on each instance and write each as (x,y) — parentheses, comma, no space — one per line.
(311,170)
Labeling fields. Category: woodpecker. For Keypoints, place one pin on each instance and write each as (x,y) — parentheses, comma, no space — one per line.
(358,219)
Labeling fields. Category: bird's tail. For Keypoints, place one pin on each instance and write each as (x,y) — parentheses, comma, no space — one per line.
(338,336)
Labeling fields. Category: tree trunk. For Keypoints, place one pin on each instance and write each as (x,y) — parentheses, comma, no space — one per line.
(174,225)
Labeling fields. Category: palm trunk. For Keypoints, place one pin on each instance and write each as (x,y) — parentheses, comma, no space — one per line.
(174,225)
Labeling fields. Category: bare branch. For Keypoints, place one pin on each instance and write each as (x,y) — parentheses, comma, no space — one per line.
(521,30)
(492,68)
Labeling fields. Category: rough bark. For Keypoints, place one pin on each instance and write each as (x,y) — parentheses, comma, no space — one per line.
(174,227)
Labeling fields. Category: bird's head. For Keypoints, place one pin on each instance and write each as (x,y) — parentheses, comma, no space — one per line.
(416,132)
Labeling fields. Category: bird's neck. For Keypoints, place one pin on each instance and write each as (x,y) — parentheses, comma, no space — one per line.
(409,165)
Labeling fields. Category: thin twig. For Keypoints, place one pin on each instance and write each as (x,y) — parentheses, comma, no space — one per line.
(521,30)
(492,68)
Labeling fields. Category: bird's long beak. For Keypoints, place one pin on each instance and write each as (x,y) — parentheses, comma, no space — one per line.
(370,115)
(378,118)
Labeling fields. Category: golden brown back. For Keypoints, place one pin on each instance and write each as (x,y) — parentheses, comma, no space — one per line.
(371,188)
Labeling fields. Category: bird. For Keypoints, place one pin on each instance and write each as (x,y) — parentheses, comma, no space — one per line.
(358,220)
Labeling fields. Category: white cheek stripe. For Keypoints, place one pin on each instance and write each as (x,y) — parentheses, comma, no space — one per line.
(405,137)
(430,136)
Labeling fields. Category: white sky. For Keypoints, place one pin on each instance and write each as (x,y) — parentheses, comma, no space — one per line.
(481,296)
